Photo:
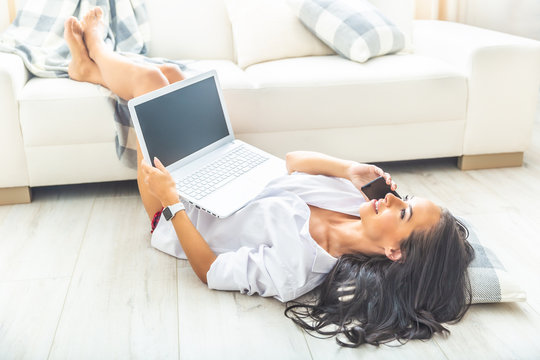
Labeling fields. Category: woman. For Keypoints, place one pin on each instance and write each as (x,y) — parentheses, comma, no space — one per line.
(384,269)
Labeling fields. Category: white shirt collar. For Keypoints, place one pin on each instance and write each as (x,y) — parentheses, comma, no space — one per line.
(323,262)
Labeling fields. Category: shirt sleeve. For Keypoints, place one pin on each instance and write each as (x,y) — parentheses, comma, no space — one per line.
(252,271)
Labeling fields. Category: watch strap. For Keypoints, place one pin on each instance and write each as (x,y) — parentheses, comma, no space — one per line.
(171,210)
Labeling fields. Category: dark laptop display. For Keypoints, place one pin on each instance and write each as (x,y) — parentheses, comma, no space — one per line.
(198,121)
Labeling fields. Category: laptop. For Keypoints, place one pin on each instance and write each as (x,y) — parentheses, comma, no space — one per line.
(186,126)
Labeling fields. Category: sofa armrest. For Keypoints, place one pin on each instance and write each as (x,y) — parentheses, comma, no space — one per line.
(13,77)
(503,72)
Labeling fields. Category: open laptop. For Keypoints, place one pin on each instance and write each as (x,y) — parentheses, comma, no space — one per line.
(186,126)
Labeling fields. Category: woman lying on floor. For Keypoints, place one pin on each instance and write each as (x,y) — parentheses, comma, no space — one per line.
(383,270)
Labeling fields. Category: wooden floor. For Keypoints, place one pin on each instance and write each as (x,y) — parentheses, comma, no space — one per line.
(79,279)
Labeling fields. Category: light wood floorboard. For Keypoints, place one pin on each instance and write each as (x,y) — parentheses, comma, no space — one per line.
(79,279)
(31,233)
(4,210)
(29,314)
(494,331)
(122,302)
(323,349)
(226,325)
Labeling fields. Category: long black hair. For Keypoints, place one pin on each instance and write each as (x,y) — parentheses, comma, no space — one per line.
(375,300)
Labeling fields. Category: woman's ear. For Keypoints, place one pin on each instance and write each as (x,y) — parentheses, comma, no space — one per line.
(392,254)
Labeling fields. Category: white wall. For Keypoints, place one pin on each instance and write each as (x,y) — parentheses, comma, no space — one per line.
(519,17)
(4,15)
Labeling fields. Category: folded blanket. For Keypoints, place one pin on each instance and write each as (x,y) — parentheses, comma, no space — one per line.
(37,36)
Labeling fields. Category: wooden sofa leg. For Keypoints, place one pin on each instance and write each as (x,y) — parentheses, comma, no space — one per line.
(490,161)
(15,195)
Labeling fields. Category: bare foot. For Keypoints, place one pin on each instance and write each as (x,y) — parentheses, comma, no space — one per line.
(94,30)
(81,67)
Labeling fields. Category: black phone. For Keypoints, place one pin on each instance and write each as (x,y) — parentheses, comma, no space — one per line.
(377,189)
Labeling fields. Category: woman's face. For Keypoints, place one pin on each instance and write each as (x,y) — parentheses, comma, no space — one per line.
(388,221)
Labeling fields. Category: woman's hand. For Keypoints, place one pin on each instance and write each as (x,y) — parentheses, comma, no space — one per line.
(160,182)
(361,174)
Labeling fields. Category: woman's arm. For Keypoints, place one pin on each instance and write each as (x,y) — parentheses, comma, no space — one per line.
(199,254)
(318,164)
(162,186)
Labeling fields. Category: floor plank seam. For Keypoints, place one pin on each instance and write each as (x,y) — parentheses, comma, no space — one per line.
(34,279)
(440,348)
(71,277)
(177,310)
(307,344)
(532,307)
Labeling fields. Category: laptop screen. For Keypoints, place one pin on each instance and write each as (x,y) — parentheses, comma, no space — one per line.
(183,121)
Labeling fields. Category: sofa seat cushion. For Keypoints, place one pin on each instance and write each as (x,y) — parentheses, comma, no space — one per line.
(65,112)
(230,75)
(331,92)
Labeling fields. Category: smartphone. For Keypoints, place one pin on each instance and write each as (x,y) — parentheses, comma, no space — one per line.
(377,189)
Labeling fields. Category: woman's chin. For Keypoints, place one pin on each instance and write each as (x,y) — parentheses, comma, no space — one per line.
(365,210)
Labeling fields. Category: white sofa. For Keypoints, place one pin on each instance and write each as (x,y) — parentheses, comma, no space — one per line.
(459,91)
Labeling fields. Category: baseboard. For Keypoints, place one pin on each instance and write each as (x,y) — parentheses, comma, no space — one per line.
(490,161)
(15,195)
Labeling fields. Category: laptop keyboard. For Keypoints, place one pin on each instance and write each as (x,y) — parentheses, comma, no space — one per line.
(220,172)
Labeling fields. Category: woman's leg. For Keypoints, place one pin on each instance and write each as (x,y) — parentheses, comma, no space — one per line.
(171,72)
(116,73)
(81,67)
(125,78)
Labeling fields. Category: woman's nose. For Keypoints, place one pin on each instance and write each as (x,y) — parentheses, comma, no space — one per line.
(392,199)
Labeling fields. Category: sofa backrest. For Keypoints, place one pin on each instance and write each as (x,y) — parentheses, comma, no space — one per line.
(200,29)
(400,12)
(190,29)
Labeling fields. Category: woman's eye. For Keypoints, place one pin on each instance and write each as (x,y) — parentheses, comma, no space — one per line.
(406,198)
(403,213)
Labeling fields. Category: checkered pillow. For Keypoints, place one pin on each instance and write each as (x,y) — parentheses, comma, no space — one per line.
(490,282)
(354,29)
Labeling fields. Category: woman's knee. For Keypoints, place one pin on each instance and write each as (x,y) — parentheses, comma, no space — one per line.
(149,79)
(171,72)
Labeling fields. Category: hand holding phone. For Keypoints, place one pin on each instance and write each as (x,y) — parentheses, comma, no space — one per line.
(377,189)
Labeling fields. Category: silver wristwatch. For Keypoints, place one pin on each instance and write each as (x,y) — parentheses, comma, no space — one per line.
(171,210)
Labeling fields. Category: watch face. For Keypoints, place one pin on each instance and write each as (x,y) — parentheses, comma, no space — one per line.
(167,213)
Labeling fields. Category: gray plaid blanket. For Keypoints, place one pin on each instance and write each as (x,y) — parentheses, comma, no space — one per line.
(37,36)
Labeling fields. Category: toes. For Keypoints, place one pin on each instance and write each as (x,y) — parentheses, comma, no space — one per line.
(95,12)
(91,15)
(77,26)
(68,27)
(88,16)
(69,23)
(72,27)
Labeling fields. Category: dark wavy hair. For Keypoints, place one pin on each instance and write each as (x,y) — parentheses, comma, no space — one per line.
(375,300)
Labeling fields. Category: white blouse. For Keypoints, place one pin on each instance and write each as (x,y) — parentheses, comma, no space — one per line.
(266,247)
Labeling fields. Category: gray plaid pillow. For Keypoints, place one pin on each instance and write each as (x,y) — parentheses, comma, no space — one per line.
(490,281)
(354,29)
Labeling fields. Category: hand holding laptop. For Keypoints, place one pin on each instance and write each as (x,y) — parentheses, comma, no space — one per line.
(186,125)
(160,182)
